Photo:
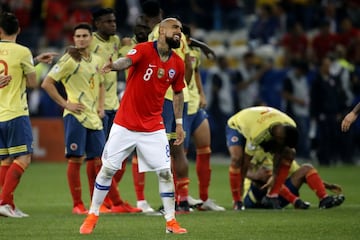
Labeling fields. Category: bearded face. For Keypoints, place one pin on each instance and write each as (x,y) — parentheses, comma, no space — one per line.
(173,42)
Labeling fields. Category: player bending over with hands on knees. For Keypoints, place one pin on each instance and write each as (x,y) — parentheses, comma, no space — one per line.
(263,128)
(153,68)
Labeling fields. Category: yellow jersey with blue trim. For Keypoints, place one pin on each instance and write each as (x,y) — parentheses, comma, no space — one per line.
(15,60)
(107,49)
(255,123)
(194,96)
(82,85)
(181,51)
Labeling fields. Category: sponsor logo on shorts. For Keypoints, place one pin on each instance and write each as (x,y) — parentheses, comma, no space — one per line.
(234,139)
(73,146)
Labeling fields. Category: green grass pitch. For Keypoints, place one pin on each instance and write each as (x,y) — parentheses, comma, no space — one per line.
(43,193)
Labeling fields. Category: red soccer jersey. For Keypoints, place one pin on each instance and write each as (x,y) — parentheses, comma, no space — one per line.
(149,78)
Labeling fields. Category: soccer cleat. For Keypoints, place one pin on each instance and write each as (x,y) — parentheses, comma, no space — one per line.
(144,206)
(173,226)
(194,203)
(271,202)
(300,204)
(79,209)
(182,208)
(89,224)
(20,213)
(209,205)
(238,206)
(331,201)
(124,208)
(7,211)
(104,209)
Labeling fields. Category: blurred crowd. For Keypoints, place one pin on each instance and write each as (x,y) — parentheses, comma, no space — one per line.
(300,56)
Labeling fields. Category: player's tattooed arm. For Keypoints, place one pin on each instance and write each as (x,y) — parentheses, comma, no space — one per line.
(120,64)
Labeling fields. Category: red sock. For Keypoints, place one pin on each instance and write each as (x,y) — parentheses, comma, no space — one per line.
(120,173)
(114,194)
(235,183)
(3,170)
(279,180)
(182,186)
(289,196)
(91,175)
(138,179)
(73,176)
(12,179)
(203,171)
(315,183)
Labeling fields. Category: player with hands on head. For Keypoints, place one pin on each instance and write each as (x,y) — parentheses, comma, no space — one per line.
(153,68)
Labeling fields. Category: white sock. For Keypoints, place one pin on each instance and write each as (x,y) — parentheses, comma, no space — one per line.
(166,189)
(101,188)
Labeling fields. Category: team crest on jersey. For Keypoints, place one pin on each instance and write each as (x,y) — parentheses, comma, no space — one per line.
(172,73)
(73,146)
(160,73)
(132,52)
(56,68)
(234,139)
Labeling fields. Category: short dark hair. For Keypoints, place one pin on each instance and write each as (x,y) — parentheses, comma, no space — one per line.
(101,12)
(9,23)
(83,25)
(291,136)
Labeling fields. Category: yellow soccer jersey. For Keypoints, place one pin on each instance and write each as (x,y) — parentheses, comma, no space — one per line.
(81,81)
(254,124)
(125,49)
(194,96)
(17,61)
(106,49)
(181,51)
(263,159)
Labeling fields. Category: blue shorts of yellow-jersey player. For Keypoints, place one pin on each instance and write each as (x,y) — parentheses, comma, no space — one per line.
(255,194)
(193,121)
(234,138)
(169,119)
(16,137)
(81,141)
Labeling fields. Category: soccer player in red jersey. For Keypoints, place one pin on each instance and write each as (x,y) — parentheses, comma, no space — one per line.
(153,68)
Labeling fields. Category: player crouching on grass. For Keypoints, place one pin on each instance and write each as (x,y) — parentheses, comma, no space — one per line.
(260,173)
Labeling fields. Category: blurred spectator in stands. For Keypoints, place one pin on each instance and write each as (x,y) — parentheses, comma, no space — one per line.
(324,42)
(349,36)
(248,85)
(329,13)
(327,106)
(271,83)
(230,14)
(353,11)
(203,13)
(263,30)
(56,21)
(296,93)
(295,44)
(179,8)
(221,94)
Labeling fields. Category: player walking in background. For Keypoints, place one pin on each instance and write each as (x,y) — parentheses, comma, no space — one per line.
(198,127)
(15,127)
(83,108)
(263,128)
(153,68)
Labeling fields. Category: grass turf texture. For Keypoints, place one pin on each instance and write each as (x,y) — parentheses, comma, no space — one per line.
(43,193)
